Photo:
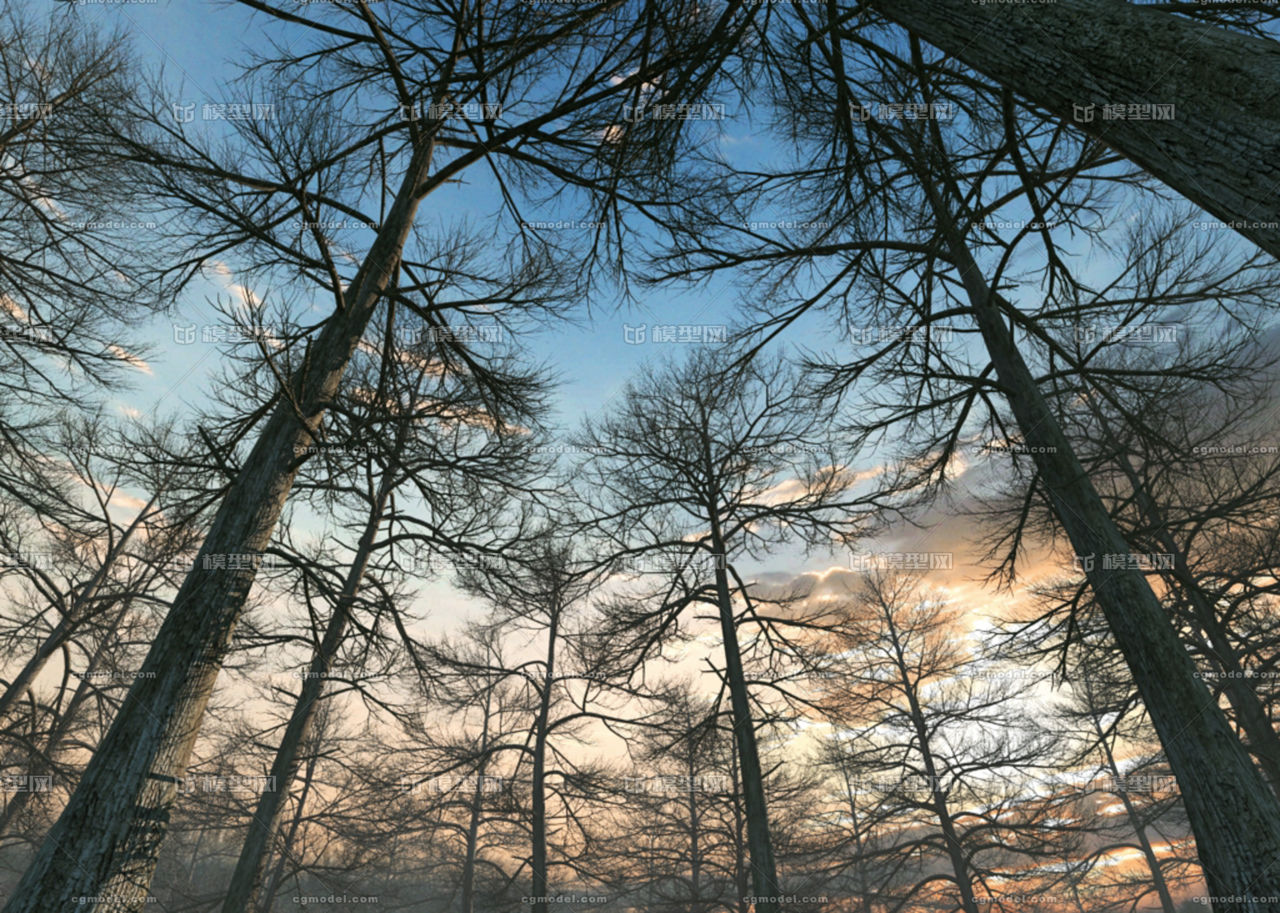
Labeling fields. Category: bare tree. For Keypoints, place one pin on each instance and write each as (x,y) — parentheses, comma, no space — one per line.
(923,255)
(81,249)
(700,467)
(105,843)
(1213,141)
(925,719)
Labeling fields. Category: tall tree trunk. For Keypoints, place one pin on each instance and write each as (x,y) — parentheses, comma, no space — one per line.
(290,838)
(859,843)
(946,823)
(107,840)
(538,824)
(1221,147)
(242,894)
(1251,715)
(1235,817)
(764,872)
(695,836)
(741,864)
(477,810)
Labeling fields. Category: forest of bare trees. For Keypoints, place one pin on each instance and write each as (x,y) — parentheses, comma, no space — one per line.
(649,456)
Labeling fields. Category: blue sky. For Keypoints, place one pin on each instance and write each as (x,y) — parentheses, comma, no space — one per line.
(198,44)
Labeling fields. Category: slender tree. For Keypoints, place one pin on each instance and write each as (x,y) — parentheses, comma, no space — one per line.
(702,466)
(106,842)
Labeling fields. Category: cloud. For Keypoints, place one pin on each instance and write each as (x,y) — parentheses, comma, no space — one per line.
(129,358)
(12,308)
(221,273)
(216,269)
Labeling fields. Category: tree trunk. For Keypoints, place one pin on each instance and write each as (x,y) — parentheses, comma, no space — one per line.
(477,810)
(242,895)
(59,730)
(1251,715)
(695,836)
(1221,147)
(764,872)
(538,824)
(107,840)
(1234,816)
(17,688)
(946,823)
(277,874)
(859,844)
(741,866)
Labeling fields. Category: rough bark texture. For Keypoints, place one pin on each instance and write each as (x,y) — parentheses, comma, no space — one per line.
(1221,149)
(105,844)
(1234,816)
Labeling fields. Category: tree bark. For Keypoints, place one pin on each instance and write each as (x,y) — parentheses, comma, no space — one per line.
(764,872)
(1220,149)
(538,824)
(1234,816)
(107,840)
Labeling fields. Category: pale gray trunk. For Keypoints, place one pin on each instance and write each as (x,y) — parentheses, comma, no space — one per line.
(764,872)
(1221,147)
(106,842)
(538,824)
(741,865)
(695,835)
(477,810)
(246,881)
(1251,714)
(1234,816)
